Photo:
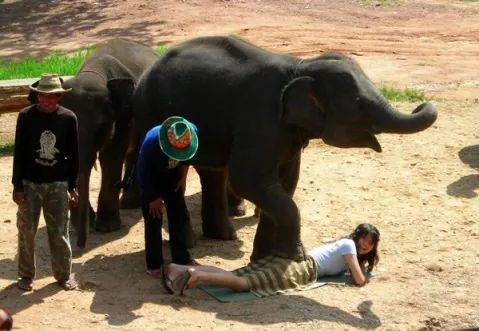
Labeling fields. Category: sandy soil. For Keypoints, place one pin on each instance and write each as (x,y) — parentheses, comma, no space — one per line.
(421,191)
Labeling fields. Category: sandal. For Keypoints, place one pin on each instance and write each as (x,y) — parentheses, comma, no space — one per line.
(155,273)
(165,281)
(68,285)
(25,283)
(180,283)
(168,284)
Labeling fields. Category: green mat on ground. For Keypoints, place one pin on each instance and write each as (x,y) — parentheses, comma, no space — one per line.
(226,295)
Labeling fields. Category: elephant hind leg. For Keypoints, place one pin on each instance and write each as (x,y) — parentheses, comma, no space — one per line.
(236,204)
(131,197)
(214,206)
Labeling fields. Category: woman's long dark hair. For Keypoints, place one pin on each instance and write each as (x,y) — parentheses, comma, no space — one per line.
(362,230)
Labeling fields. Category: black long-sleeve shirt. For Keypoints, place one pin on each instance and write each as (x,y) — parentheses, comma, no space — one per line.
(46,147)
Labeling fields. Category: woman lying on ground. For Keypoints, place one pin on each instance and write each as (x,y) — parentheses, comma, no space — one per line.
(357,253)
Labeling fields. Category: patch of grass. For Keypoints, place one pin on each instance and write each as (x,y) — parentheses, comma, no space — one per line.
(6,149)
(160,49)
(407,94)
(61,63)
(28,67)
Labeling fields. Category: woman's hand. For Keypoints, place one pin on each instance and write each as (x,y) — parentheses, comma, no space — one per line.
(358,273)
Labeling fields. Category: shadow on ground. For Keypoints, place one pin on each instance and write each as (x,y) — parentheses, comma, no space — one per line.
(467,186)
(49,20)
(100,275)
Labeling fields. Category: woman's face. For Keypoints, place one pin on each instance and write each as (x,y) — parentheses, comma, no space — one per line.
(365,245)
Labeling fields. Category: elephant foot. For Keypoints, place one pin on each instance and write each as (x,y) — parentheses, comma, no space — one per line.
(297,253)
(224,232)
(130,201)
(107,222)
(258,255)
(237,210)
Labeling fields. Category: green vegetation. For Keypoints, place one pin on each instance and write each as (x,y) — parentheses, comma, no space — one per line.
(410,95)
(160,49)
(6,149)
(63,64)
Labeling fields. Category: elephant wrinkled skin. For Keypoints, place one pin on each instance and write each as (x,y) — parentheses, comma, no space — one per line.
(255,111)
(101,97)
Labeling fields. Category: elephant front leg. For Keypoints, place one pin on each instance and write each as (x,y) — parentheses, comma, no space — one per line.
(279,228)
(264,240)
(83,215)
(111,162)
(288,176)
(131,196)
(214,207)
(108,214)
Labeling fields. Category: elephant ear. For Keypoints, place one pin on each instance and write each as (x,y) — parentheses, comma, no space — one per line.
(301,108)
(121,94)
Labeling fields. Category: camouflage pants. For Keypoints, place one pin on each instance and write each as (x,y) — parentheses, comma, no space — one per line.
(53,198)
(274,275)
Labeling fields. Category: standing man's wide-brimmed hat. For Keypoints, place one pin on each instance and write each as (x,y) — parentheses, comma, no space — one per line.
(49,83)
(178,138)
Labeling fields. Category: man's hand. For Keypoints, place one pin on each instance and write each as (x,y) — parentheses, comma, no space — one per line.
(156,208)
(181,185)
(73,198)
(18,197)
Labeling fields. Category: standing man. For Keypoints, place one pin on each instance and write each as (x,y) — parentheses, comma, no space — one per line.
(162,181)
(45,170)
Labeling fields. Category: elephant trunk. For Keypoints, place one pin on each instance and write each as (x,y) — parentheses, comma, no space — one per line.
(389,120)
(80,215)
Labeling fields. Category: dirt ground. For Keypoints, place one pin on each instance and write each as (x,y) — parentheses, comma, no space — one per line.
(421,192)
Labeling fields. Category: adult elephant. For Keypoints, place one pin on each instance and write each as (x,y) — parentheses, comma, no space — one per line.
(255,111)
(101,97)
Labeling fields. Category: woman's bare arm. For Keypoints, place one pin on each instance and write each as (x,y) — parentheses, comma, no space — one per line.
(358,274)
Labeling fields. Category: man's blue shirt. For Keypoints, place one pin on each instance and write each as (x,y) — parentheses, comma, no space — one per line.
(152,164)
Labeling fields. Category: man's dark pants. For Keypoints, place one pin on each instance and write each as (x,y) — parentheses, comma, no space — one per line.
(178,223)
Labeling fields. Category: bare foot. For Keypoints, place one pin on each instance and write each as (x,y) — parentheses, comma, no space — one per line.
(194,277)
(68,284)
(174,270)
